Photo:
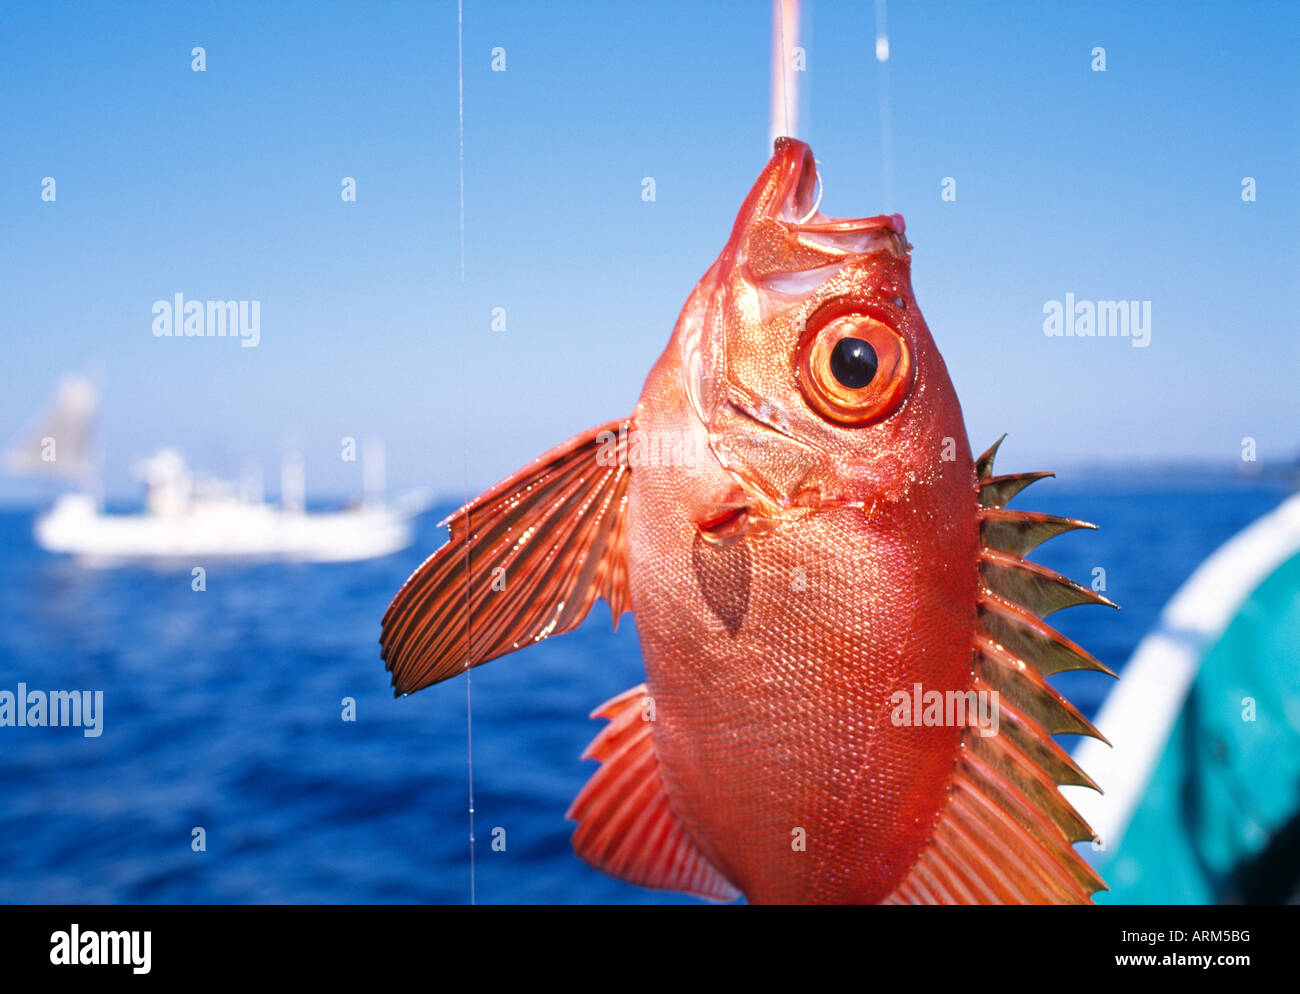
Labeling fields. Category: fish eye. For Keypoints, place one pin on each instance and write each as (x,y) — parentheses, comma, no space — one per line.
(852,367)
(899,302)
(853,362)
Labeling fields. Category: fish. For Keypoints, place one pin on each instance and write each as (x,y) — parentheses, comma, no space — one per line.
(846,696)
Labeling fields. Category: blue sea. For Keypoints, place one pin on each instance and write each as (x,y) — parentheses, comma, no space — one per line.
(223,710)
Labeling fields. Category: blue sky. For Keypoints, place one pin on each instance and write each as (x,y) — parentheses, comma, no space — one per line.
(226,184)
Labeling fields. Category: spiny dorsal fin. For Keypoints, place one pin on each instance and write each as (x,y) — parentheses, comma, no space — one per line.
(1000,755)
(984,464)
(1032,639)
(1036,742)
(1028,692)
(996,491)
(1020,532)
(1037,588)
(1007,834)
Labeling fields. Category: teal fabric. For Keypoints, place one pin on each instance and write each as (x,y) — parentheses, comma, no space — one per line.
(1225,784)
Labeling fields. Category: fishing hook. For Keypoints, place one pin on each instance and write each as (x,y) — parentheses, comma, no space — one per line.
(818,201)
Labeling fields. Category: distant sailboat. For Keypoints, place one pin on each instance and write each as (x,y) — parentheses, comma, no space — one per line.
(61,447)
(191,518)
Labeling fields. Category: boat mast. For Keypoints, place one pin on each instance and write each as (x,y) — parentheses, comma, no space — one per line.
(373,479)
(293,491)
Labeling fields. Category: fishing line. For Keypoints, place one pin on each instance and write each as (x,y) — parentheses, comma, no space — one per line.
(886,129)
(817,202)
(785,70)
(779,9)
(469,696)
(780,117)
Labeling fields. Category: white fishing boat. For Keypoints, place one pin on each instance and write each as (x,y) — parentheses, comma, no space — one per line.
(196,519)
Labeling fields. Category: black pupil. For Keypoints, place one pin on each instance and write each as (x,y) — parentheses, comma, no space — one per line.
(853,362)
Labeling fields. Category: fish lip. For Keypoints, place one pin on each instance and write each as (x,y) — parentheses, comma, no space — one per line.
(893,223)
(797,179)
(795,198)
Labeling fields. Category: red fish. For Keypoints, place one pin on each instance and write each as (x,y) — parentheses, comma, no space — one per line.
(846,695)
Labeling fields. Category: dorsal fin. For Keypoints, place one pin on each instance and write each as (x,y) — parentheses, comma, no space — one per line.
(1032,639)
(1026,690)
(1035,588)
(626,826)
(996,491)
(984,464)
(526,560)
(1020,532)
(1006,834)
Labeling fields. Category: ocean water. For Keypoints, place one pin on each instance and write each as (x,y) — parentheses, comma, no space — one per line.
(223,710)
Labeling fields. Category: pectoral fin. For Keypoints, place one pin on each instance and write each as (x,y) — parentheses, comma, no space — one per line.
(526,560)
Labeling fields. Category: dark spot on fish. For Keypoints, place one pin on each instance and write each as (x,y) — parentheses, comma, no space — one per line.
(722,571)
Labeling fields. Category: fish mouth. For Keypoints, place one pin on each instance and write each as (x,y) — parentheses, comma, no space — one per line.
(798,193)
(795,200)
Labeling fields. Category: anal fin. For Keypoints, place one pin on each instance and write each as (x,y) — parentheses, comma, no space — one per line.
(626,826)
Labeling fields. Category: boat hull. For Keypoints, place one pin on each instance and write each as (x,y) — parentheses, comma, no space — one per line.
(74,526)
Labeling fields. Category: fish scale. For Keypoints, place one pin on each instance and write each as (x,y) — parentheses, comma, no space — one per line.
(741,718)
